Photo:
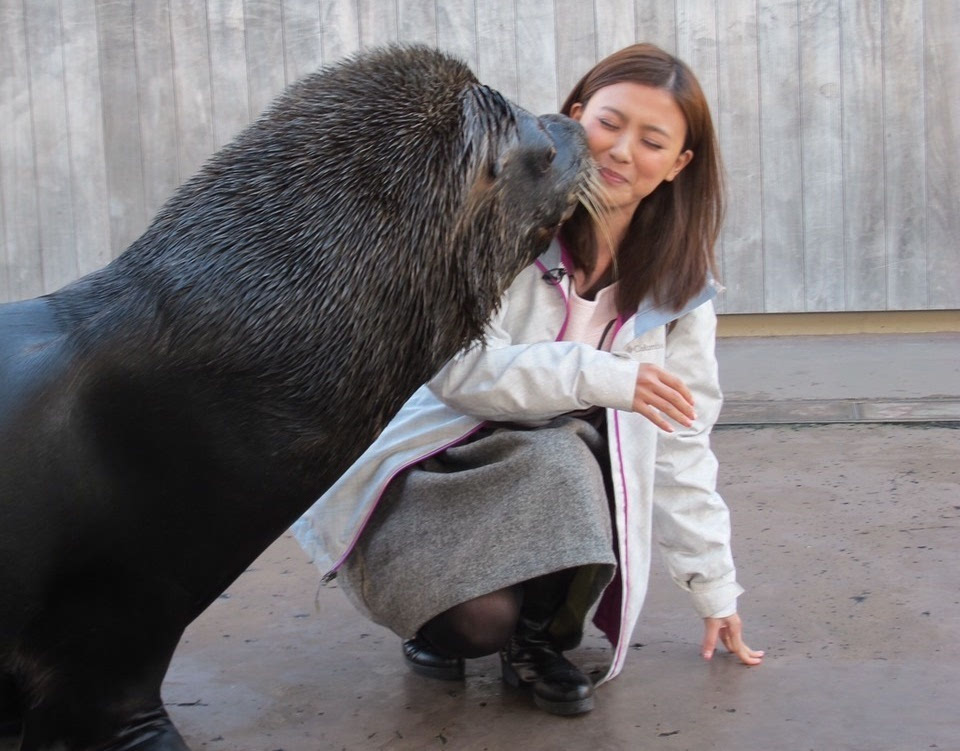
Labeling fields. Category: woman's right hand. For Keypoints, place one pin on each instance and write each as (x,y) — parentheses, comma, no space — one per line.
(659,394)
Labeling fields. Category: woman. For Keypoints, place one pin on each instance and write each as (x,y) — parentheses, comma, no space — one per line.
(522,489)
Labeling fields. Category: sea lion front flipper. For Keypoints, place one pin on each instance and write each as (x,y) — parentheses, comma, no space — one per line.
(92,664)
(156,734)
(9,708)
(146,733)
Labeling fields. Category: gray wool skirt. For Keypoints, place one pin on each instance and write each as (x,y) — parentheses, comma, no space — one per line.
(509,505)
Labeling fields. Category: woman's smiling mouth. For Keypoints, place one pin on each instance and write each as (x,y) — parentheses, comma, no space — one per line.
(614,178)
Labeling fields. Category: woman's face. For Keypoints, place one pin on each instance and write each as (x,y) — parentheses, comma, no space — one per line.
(636,135)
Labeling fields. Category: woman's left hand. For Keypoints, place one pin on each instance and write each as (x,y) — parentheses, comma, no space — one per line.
(730,631)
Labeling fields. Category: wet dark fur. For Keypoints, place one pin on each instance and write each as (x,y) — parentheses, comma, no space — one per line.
(164,419)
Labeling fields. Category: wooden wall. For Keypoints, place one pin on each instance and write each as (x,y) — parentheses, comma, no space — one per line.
(838,120)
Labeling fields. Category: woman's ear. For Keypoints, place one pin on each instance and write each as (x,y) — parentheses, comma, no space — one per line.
(576,111)
(682,161)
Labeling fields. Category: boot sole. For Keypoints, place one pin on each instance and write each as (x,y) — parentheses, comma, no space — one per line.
(564,708)
(437,673)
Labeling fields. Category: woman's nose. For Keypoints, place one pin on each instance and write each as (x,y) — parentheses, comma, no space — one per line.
(620,150)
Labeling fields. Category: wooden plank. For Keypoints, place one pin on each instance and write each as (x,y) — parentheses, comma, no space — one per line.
(497,32)
(616,25)
(158,116)
(121,123)
(88,175)
(301,35)
(740,251)
(656,22)
(697,43)
(862,134)
(191,77)
(21,227)
(340,30)
(822,162)
(905,161)
(228,73)
(4,224)
(781,181)
(378,22)
(263,21)
(537,57)
(52,152)
(417,22)
(457,30)
(942,106)
(576,43)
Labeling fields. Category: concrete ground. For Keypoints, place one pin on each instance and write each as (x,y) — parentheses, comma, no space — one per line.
(845,379)
(846,541)
(869,366)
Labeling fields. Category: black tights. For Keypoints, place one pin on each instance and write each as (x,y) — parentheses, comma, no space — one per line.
(477,627)
(484,625)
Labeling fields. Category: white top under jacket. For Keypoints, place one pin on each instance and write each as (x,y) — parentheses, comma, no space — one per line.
(664,483)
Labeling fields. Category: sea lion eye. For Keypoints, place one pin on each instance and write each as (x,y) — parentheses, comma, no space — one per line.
(546,157)
(538,160)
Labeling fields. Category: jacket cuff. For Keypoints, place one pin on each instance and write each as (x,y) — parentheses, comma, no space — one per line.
(611,384)
(718,599)
(725,612)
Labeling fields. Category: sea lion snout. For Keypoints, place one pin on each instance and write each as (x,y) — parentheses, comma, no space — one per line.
(549,142)
(572,158)
(547,168)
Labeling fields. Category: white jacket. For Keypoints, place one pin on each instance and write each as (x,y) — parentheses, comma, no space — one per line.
(664,483)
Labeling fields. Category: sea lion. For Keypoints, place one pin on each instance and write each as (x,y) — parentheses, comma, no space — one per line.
(164,419)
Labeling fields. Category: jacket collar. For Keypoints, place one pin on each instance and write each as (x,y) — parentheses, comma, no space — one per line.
(648,316)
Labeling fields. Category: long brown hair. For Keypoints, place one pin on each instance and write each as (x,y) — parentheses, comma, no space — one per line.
(667,252)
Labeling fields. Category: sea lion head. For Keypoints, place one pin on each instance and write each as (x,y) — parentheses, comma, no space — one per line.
(437,173)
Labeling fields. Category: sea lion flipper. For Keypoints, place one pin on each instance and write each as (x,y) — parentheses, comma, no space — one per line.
(9,708)
(161,735)
(150,730)
(153,733)
(91,665)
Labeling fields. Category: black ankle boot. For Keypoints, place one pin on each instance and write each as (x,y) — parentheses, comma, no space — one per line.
(558,685)
(531,657)
(425,660)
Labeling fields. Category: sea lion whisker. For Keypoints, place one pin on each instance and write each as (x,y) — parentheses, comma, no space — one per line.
(593,197)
